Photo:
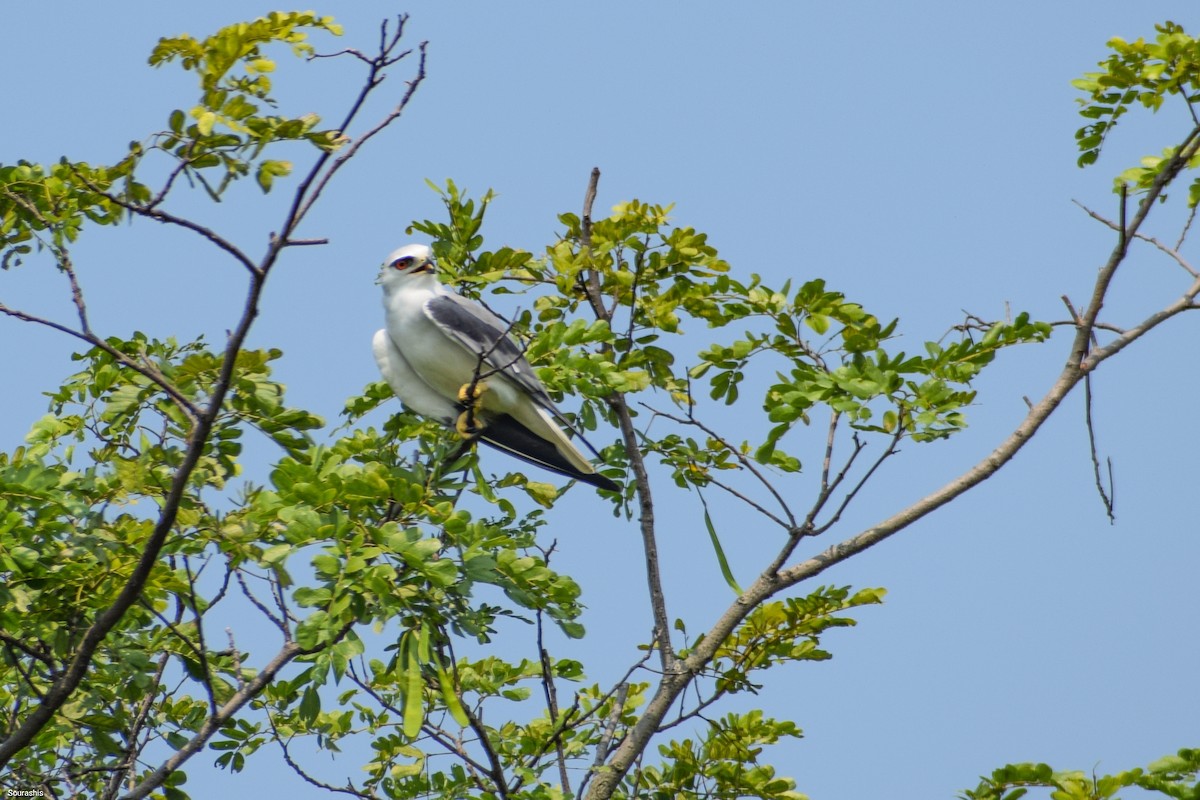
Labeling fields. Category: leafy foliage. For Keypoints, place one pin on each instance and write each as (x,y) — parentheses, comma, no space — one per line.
(1173,776)
(1145,74)
(351,534)
(384,560)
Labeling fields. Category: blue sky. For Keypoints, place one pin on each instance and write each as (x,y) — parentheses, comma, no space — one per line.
(918,156)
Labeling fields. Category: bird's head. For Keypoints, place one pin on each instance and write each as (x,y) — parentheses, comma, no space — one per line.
(407,262)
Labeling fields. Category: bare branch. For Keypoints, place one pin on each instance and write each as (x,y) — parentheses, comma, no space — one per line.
(1173,252)
(1105,498)
(1187,302)
(746,499)
(304,242)
(1187,226)
(827,462)
(837,514)
(551,694)
(318,177)
(277,621)
(167,218)
(585,242)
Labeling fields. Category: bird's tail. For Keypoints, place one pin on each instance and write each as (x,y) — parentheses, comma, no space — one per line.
(507,434)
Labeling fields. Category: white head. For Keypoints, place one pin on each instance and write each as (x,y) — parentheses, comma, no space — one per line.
(408,262)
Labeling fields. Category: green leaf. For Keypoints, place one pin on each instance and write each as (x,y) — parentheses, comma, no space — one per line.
(268,171)
(450,696)
(726,572)
(310,705)
(414,699)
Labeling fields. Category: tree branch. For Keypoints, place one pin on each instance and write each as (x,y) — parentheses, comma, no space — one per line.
(1079,363)
(1105,498)
(289,652)
(746,463)
(1173,252)
(304,199)
(296,768)
(616,402)
(202,426)
(167,218)
(189,409)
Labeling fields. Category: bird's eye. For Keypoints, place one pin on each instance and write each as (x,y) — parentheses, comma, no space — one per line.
(402,262)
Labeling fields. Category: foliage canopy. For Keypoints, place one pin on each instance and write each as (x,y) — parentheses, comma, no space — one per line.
(386,565)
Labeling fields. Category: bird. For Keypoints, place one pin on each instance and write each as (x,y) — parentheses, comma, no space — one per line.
(450,359)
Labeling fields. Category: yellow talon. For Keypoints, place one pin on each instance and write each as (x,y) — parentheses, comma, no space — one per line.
(470,393)
(469,425)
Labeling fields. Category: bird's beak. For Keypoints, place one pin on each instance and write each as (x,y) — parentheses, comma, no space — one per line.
(426,266)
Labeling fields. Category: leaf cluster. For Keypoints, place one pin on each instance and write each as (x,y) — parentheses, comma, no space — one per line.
(1173,776)
(1145,74)
(227,128)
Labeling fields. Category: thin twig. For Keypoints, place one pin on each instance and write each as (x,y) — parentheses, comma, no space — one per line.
(25,673)
(278,622)
(304,198)
(745,499)
(1187,226)
(167,218)
(1105,498)
(551,694)
(1172,252)
(742,458)
(189,409)
(302,774)
(38,655)
(288,653)
(850,495)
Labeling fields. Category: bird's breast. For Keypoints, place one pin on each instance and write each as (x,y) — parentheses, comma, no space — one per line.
(439,360)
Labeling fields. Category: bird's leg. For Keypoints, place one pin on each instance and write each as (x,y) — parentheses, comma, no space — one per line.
(469,424)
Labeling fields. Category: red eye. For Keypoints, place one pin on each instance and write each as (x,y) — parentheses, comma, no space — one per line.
(402,262)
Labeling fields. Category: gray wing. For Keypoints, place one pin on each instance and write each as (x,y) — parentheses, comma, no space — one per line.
(483,334)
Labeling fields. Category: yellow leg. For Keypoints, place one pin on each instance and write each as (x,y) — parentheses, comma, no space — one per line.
(469,424)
